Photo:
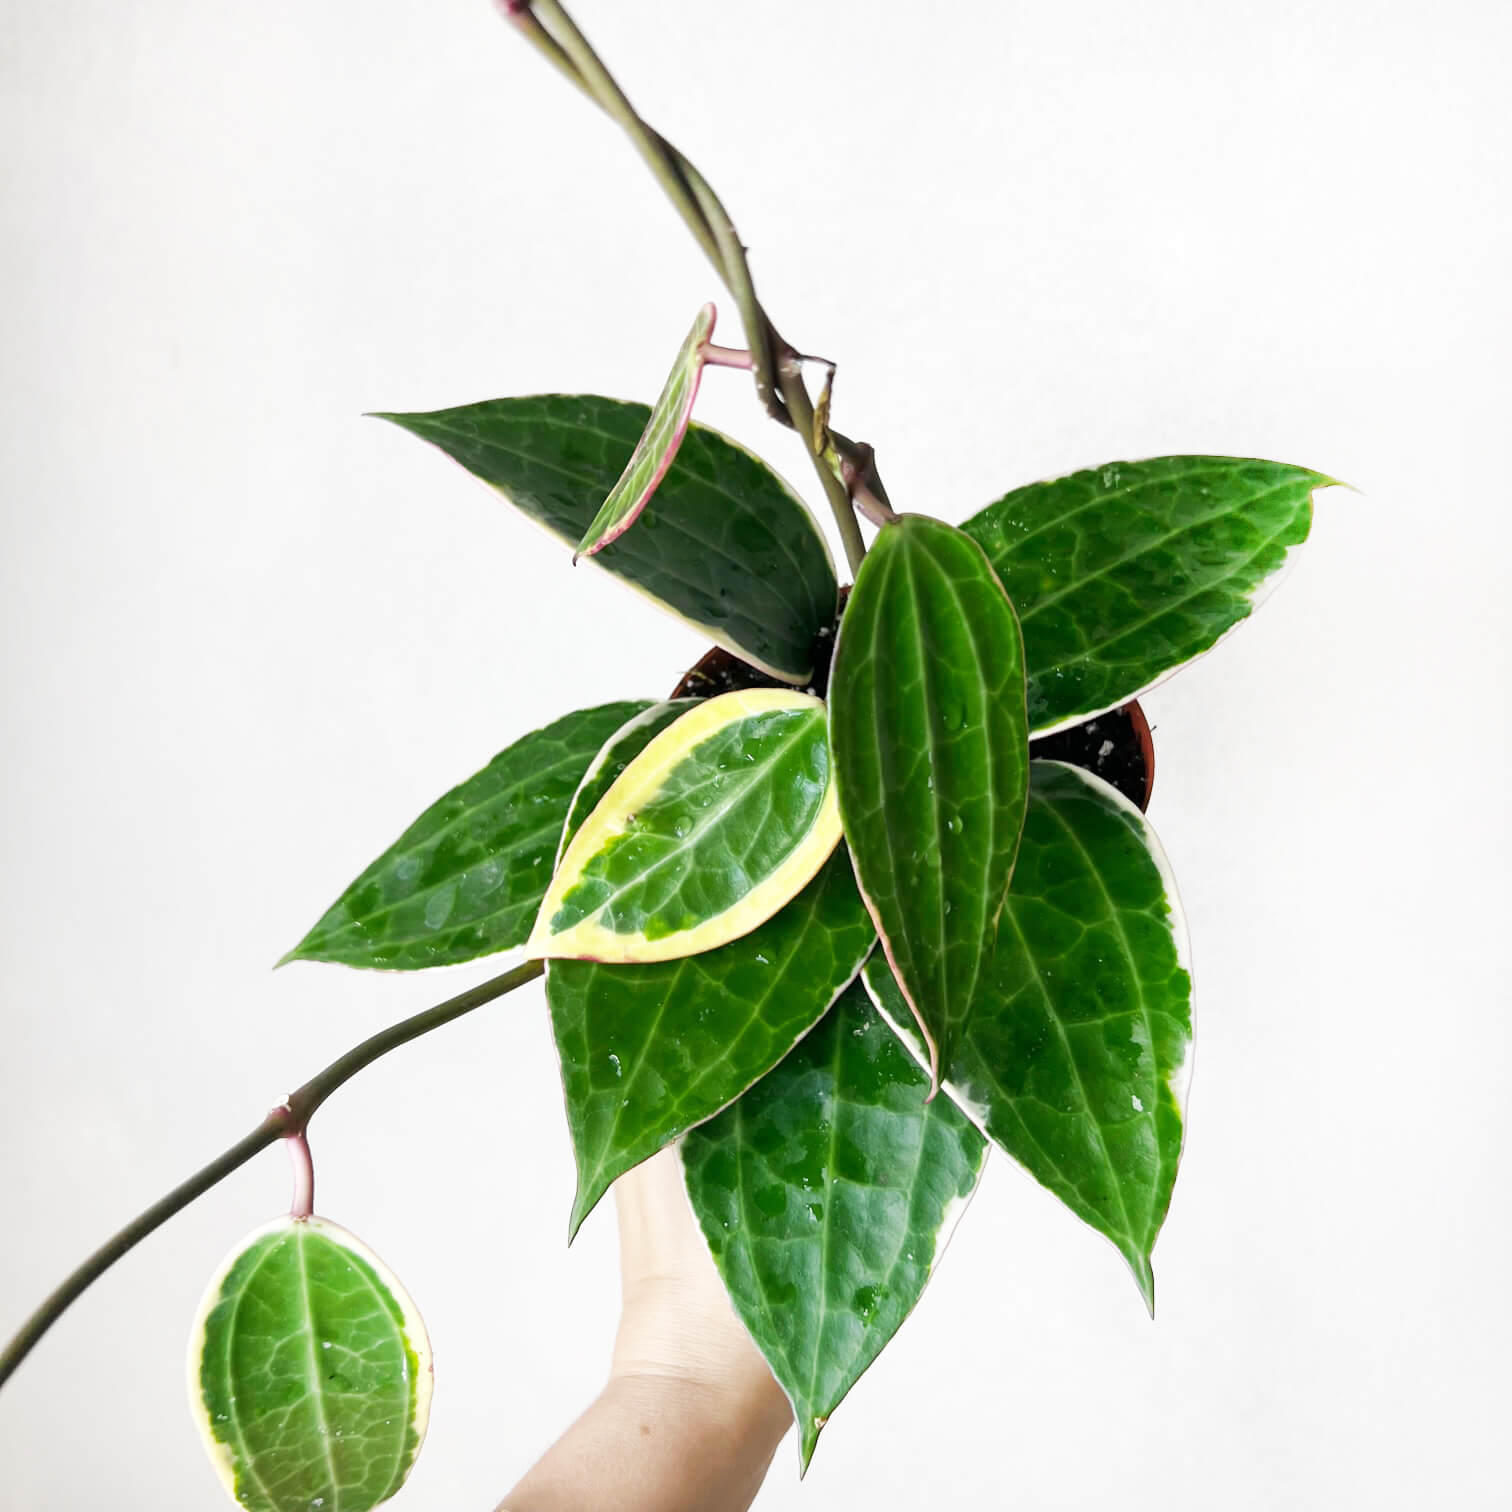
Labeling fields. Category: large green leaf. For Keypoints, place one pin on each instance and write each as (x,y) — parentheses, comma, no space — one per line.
(467,877)
(931,760)
(658,443)
(727,814)
(725,544)
(1121,574)
(1075,1059)
(827,1194)
(309,1372)
(649,1051)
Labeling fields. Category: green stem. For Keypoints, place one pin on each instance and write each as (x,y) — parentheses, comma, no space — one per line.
(761,335)
(686,187)
(600,84)
(779,380)
(801,408)
(289,1119)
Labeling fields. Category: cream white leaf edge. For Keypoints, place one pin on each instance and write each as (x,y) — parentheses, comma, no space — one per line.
(1259,595)
(950,1218)
(705,628)
(1181,1076)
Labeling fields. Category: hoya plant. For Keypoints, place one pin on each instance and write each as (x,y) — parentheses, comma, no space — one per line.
(869,894)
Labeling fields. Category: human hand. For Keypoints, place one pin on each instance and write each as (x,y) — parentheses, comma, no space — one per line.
(676,1319)
(691,1416)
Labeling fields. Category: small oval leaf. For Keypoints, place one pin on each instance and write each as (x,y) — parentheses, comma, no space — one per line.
(724,817)
(467,877)
(931,760)
(1076,1054)
(309,1372)
(827,1195)
(1121,574)
(658,443)
(725,545)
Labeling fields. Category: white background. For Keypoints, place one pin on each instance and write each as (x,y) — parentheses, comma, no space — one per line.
(248,635)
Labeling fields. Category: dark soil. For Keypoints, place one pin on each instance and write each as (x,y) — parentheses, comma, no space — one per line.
(717,671)
(1114,746)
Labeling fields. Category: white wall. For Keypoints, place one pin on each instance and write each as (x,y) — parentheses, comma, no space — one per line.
(247,635)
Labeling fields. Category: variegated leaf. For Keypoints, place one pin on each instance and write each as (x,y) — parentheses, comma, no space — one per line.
(725,816)
(658,443)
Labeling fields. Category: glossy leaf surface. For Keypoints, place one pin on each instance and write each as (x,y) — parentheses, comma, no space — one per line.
(1122,573)
(724,544)
(827,1194)
(726,815)
(658,443)
(649,1051)
(309,1372)
(931,754)
(1075,1057)
(466,879)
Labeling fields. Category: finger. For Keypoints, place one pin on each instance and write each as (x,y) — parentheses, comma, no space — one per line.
(658,1233)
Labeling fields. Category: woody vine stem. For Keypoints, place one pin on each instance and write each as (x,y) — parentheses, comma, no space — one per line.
(846,471)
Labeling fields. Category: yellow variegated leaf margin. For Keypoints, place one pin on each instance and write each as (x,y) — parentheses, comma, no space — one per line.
(626,743)
(724,817)
(310,1372)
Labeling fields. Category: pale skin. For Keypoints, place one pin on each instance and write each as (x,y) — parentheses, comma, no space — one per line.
(691,1417)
